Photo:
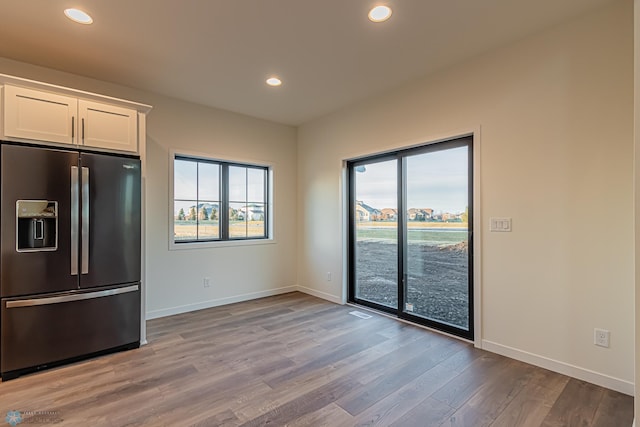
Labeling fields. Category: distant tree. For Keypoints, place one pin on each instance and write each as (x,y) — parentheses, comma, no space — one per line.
(214,214)
(192,214)
(233,214)
(465,215)
(181,215)
(203,216)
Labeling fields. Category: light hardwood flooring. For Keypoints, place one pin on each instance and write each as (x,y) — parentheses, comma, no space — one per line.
(297,360)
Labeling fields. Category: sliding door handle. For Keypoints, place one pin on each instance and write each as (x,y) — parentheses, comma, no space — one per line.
(85,220)
(75,206)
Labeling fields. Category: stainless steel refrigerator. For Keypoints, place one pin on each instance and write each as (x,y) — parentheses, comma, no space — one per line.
(69,255)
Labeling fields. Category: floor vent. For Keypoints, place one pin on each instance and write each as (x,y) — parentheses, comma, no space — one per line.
(360,314)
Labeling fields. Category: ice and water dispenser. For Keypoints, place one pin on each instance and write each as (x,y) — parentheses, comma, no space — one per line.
(37,222)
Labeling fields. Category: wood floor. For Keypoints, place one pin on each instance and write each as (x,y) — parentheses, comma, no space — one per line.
(296,360)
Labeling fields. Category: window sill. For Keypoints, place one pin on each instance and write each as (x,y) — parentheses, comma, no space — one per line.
(221,244)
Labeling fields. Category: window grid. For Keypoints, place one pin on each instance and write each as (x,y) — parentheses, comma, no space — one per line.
(229,212)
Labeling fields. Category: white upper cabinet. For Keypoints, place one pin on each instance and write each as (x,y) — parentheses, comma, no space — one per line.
(42,113)
(107,126)
(36,115)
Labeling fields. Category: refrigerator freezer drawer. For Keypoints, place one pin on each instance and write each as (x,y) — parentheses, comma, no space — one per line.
(69,298)
(38,332)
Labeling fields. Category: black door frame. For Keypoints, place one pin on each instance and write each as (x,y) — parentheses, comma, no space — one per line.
(399,156)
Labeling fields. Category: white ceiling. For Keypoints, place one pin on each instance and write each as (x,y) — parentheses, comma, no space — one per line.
(219,52)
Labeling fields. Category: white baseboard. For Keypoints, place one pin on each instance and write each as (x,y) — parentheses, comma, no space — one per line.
(319,294)
(587,375)
(154,314)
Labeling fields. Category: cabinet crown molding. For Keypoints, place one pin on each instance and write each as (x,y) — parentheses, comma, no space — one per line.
(61,90)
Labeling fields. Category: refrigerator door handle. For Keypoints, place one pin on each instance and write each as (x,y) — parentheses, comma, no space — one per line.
(75,206)
(68,298)
(85,220)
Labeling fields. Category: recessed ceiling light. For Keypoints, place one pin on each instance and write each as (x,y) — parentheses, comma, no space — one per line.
(380,13)
(274,81)
(78,16)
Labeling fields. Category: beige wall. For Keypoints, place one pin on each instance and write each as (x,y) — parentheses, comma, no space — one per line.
(175,278)
(556,117)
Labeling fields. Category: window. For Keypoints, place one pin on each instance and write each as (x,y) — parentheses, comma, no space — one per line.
(218,200)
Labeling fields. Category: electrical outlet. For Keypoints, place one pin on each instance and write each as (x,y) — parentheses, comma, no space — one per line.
(207,282)
(328,276)
(601,337)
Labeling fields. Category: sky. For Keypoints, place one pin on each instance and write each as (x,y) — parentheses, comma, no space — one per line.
(436,180)
(197,183)
(201,181)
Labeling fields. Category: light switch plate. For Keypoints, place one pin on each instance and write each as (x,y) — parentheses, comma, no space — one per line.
(500,224)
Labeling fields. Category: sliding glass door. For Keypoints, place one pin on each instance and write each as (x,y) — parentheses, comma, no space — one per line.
(376,235)
(410,234)
(436,261)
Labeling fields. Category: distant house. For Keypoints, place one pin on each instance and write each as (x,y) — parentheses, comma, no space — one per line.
(414,214)
(449,217)
(362,214)
(389,214)
(251,213)
(365,212)
(420,214)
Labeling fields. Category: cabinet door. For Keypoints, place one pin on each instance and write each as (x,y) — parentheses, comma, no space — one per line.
(108,126)
(40,116)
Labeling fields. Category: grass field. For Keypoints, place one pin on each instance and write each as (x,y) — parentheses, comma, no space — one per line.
(412,224)
(189,230)
(426,234)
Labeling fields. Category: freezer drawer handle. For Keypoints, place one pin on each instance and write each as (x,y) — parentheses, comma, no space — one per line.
(75,205)
(68,298)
